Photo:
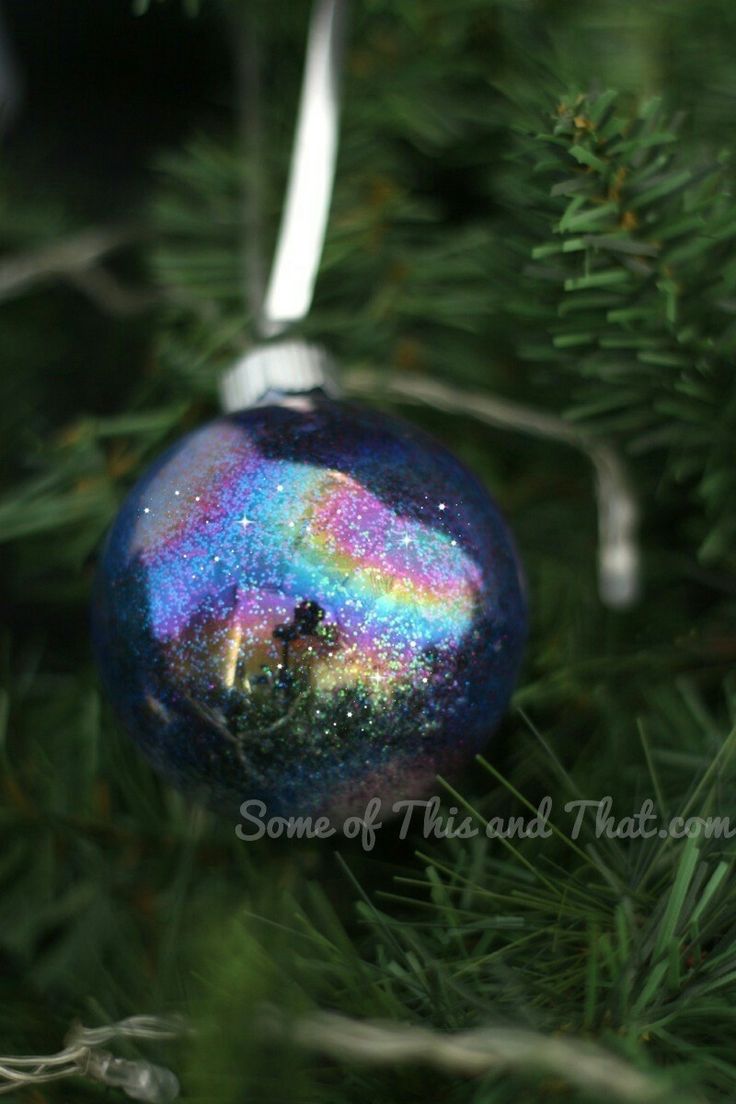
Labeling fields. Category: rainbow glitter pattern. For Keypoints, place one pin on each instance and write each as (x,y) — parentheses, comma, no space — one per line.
(310,604)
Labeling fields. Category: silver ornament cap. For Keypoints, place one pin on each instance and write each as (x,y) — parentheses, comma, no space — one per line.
(269,372)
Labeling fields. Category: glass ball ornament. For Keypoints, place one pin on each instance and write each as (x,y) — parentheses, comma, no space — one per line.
(312,604)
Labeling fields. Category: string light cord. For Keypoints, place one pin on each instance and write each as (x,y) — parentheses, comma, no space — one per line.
(82,1057)
(618,514)
(480,1051)
(577,1062)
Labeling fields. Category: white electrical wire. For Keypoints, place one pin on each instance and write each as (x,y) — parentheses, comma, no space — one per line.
(618,515)
(480,1051)
(140,1080)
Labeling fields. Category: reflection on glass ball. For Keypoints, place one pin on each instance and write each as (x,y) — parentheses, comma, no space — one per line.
(311,604)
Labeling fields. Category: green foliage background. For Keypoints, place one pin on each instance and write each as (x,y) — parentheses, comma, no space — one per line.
(504,222)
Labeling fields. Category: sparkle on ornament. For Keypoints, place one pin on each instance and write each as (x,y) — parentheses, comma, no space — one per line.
(245,521)
(442,506)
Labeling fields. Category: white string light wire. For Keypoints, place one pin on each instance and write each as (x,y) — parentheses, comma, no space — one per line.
(480,1051)
(484,1050)
(618,549)
(140,1080)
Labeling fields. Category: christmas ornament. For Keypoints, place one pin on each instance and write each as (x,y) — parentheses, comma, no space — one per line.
(306,602)
(311,604)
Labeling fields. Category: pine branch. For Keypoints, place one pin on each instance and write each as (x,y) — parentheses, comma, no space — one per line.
(633,287)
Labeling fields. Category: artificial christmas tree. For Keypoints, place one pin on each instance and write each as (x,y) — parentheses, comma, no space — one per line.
(504,254)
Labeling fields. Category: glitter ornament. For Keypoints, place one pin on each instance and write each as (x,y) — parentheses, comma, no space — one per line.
(304,602)
(311,604)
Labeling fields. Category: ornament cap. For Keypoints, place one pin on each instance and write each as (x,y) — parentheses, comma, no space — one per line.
(269,372)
